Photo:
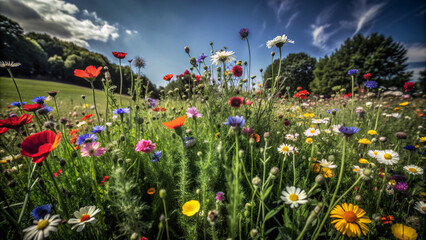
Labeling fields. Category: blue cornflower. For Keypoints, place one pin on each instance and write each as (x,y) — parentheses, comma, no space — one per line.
(151,102)
(156,156)
(201,58)
(98,129)
(39,100)
(44,110)
(235,122)
(331,110)
(349,131)
(121,111)
(244,32)
(189,141)
(352,71)
(370,84)
(41,211)
(17,104)
(410,148)
(86,138)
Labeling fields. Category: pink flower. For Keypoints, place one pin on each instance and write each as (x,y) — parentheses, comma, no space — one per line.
(249,103)
(92,149)
(193,113)
(145,146)
(197,78)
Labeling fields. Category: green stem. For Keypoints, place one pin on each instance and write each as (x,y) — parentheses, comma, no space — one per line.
(249,76)
(121,83)
(61,201)
(27,196)
(165,214)
(16,86)
(382,188)
(294,170)
(281,174)
(94,102)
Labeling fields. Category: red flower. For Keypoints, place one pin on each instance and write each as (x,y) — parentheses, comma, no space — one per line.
(302,94)
(299,88)
(236,102)
(39,145)
(249,103)
(387,219)
(176,123)
(89,74)
(367,76)
(15,122)
(119,55)
(156,109)
(186,72)
(85,117)
(163,109)
(255,136)
(168,77)
(237,71)
(56,174)
(3,130)
(348,95)
(409,86)
(197,78)
(32,107)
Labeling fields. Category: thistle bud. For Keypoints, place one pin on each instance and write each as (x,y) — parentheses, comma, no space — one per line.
(319,179)
(193,61)
(272,54)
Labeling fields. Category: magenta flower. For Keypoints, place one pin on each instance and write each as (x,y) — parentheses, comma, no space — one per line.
(92,149)
(145,146)
(220,197)
(193,113)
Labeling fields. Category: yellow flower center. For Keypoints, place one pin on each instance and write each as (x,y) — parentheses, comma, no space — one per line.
(285,149)
(312,131)
(375,153)
(413,170)
(293,197)
(424,209)
(42,224)
(309,140)
(85,217)
(387,156)
(350,217)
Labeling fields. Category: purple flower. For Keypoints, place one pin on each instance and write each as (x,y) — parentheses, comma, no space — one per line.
(220,197)
(397,178)
(244,32)
(352,71)
(151,102)
(121,111)
(235,122)
(201,58)
(349,131)
(17,104)
(370,84)
(248,131)
(41,211)
(189,142)
(86,138)
(401,186)
(98,129)
(193,113)
(156,156)
(39,100)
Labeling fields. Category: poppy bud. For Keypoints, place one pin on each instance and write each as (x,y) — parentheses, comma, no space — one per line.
(83,96)
(62,162)
(186,48)
(257,182)
(254,233)
(163,193)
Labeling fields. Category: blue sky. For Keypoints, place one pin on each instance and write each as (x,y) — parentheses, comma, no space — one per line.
(159,30)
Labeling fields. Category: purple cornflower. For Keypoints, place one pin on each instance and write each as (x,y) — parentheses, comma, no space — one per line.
(86,138)
(331,110)
(410,148)
(352,71)
(235,122)
(244,32)
(201,58)
(156,156)
(248,131)
(121,111)
(220,197)
(349,131)
(17,104)
(151,102)
(397,178)
(39,100)
(44,110)
(401,186)
(41,211)
(370,84)
(98,129)
(193,113)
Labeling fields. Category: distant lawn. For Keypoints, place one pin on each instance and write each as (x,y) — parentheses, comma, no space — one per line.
(68,98)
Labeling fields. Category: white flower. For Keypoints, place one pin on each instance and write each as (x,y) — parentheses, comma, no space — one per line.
(278,41)
(407,117)
(42,227)
(84,216)
(372,153)
(328,131)
(109,124)
(355,168)
(387,157)
(81,123)
(9,64)
(336,128)
(368,104)
(286,149)
(310,132)
(421,207)
(294,196)
(319,121)
(413,170)
(363,176)
(222,57)
(327,164)
(292,137)
(396,115)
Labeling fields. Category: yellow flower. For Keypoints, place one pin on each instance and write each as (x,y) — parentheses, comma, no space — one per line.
(396,109)
(416,146)
(392,182)
(293,115)
(364,141)
(309,115)
(363,161)
(372,132)
(404,104)
(403,232)
(315,167)
(351,220)
(309,140)
(216,136)
(327,172)
(260,85)
(240,63)
(244,80)
(191,207)
(422,139)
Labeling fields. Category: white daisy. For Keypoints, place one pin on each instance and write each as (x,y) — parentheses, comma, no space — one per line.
(387,157)
(355,168)
(9,64)
(222,57)
(328,131)
(368,104)
(372,153)
(278,41)
(286,149)
(42,227)
(363,176)
(396,115)
(294,196)
(84,216)
(413,170)
(327,164)
(336,128)
(81,123)
(292,137)
(421,207)
(310,132)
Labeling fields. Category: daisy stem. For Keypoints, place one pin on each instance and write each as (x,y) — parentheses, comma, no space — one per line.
(94,102)
(377,118)
(61,201)
(294,170)
(335,191)
(27,196)
(165,214)
(121,83)
(16,86)
(382,188)
(95,183)
(281,176)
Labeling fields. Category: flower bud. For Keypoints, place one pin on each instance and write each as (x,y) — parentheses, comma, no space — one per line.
(383,139)
(274,172)
(358,198)
(186,48)
(193,61)
(367,172)
(212,216)
(241,153)
(199,154)
(257,182)
(401,135)
(266,135)
(62,162)
(320,179)
(272,54)
(254,233)
(134,236)
(163,193)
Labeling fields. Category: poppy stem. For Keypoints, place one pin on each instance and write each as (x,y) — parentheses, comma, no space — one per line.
(121,83)
(61,201)
(165,214)
(94,103)
(27,196)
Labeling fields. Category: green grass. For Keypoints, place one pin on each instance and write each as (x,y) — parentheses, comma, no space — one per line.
(68,97)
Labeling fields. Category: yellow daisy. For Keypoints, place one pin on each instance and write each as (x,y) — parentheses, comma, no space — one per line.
(404,104)
(364,141)
(422,139)
(309,140)
(363,161)
(372,132)
(350,220)
(403,232)
(191,207)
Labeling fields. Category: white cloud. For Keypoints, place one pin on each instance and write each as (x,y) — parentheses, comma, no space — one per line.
(280,6)
(321,29)
(130,32)
(416,72)
(290,20)
(416,52)
(364,14)
(61,19)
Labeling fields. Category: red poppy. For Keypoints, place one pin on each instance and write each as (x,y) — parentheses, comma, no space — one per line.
(168,77)
(387,219)
(367,76)
(85,117)
(348,95)
(409,86)
(156,109)
(302,94)
(236,102)
(119,55)
(39,145)
(176,123)
(3,130)
(197,78)
(56,174)
(15,122)
(89,74)
(72,132)
(32,107)
(186,72)
(237,71)
(163,109)
(299,88)
(249,103)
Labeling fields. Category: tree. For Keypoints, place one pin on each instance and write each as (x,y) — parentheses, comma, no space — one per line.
(375,54)
(297,70)
(56,66)
(422,81)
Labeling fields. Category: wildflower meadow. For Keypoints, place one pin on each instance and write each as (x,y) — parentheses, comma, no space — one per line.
(225,155)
